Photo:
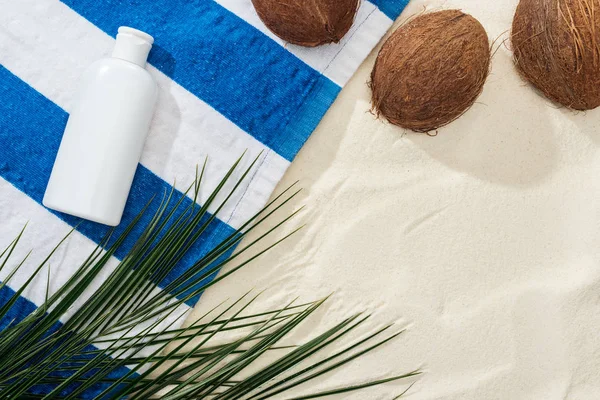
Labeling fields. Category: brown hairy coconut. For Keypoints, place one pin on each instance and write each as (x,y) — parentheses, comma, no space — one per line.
(308,23)
(431,70)
(556,45)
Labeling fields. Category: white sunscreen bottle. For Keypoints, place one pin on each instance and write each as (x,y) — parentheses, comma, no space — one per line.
(105,134)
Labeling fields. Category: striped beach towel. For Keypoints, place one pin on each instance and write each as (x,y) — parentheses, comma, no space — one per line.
(226,83)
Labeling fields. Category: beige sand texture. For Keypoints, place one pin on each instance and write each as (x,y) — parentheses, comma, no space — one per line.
(484,241)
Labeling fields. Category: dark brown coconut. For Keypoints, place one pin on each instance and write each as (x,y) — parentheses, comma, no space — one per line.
(431,70)
(556,45)
(308,22)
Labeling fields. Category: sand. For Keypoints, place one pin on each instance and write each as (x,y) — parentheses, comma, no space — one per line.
(483,241)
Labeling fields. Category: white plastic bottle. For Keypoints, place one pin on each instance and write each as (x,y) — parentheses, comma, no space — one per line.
(105,134)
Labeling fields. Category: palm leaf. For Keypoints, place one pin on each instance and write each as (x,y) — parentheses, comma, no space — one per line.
(125,340)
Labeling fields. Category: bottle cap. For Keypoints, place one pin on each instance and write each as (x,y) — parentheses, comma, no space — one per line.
(133,46)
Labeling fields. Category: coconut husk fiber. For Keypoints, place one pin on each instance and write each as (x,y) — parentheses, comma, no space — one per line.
(430,70)
(556,46)
(308,23)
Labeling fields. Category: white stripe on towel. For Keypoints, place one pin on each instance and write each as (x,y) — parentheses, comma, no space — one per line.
(338,61)
(42,233)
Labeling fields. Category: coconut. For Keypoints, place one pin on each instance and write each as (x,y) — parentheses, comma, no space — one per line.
(430,70)
(308,23)
(556,46)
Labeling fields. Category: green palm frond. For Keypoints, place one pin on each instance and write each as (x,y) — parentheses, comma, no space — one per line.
(125,341)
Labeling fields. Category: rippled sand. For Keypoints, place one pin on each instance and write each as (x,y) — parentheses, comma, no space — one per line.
(484,241)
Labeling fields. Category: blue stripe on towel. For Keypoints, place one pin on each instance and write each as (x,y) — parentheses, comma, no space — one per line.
(31,128)
(391,8)
(223,60)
